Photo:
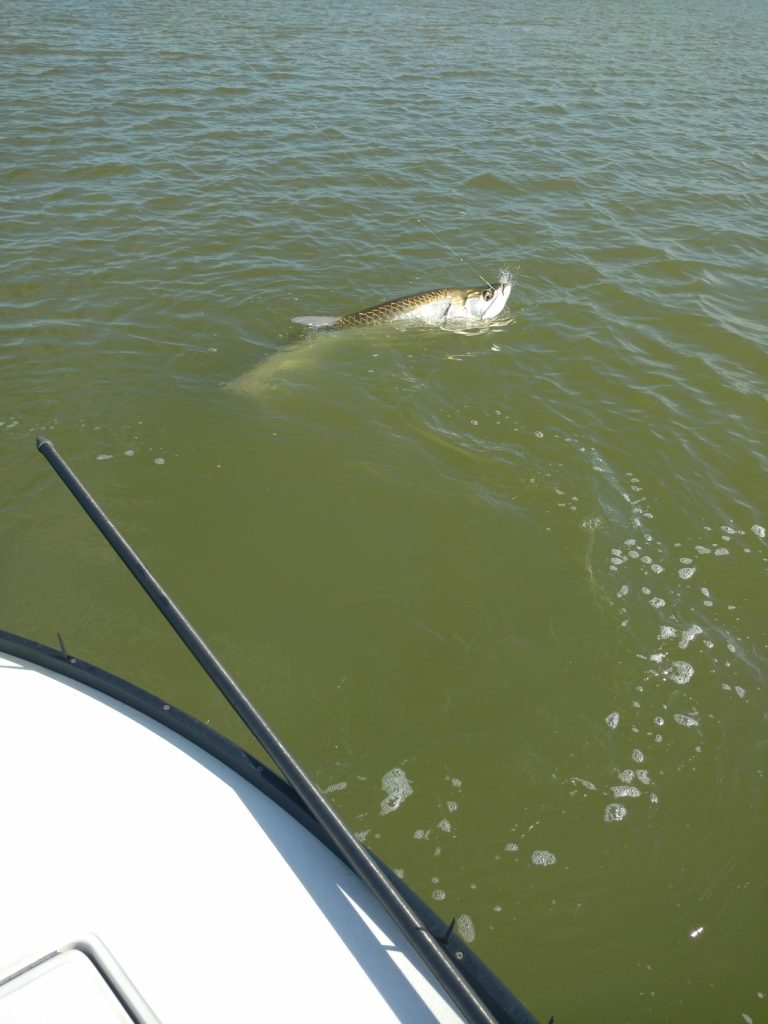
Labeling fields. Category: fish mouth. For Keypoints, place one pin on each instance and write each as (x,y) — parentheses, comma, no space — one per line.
(499,300)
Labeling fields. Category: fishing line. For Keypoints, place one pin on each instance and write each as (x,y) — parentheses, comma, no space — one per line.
(451,249)
(423,224)
(379,184)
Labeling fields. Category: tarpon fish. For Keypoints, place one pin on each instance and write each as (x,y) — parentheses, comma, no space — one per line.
(466,306)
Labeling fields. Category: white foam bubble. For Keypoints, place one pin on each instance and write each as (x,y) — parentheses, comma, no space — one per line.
(687,720)
(438,894)
(667,632)
(638,756)
(689,634)
(614,812)
(543,858)
(625,791)
(685,574)
(657,602)
(584,782)
(397,787)
(444,825)
(511,848)
(759,531)
(465,927)
(612,720)
(681,672)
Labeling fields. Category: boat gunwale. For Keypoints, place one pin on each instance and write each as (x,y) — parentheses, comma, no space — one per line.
(500,1000)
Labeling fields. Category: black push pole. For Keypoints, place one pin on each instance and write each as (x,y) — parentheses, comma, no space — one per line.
(353,851)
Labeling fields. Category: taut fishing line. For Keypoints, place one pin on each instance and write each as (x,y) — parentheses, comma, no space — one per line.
(379,184)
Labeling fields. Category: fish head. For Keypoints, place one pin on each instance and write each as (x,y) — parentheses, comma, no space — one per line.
(487,302)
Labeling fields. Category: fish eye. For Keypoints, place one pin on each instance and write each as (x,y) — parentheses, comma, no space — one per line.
(488,294)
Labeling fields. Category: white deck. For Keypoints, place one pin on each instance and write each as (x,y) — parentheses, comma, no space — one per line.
(200,895)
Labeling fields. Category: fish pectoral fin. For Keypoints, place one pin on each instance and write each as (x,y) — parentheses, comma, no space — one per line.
(315,321)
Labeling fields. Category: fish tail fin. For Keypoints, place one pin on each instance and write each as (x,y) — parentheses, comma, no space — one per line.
(316,321)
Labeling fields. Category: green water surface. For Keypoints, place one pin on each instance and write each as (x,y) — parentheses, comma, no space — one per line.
(503,592)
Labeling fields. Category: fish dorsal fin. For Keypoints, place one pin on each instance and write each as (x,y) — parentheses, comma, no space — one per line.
(315,321)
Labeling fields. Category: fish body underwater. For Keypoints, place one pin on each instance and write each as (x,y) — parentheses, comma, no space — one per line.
(446,308)
(440,305)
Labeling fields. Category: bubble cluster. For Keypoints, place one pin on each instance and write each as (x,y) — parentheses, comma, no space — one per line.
(465,927)
(687,720)
(680,672)
(667,600)
(335,787)
(397,787)
(543,858)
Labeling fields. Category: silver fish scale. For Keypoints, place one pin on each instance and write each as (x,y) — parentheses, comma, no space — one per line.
(395,308)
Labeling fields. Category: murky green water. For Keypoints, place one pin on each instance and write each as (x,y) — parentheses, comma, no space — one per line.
(504,592)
